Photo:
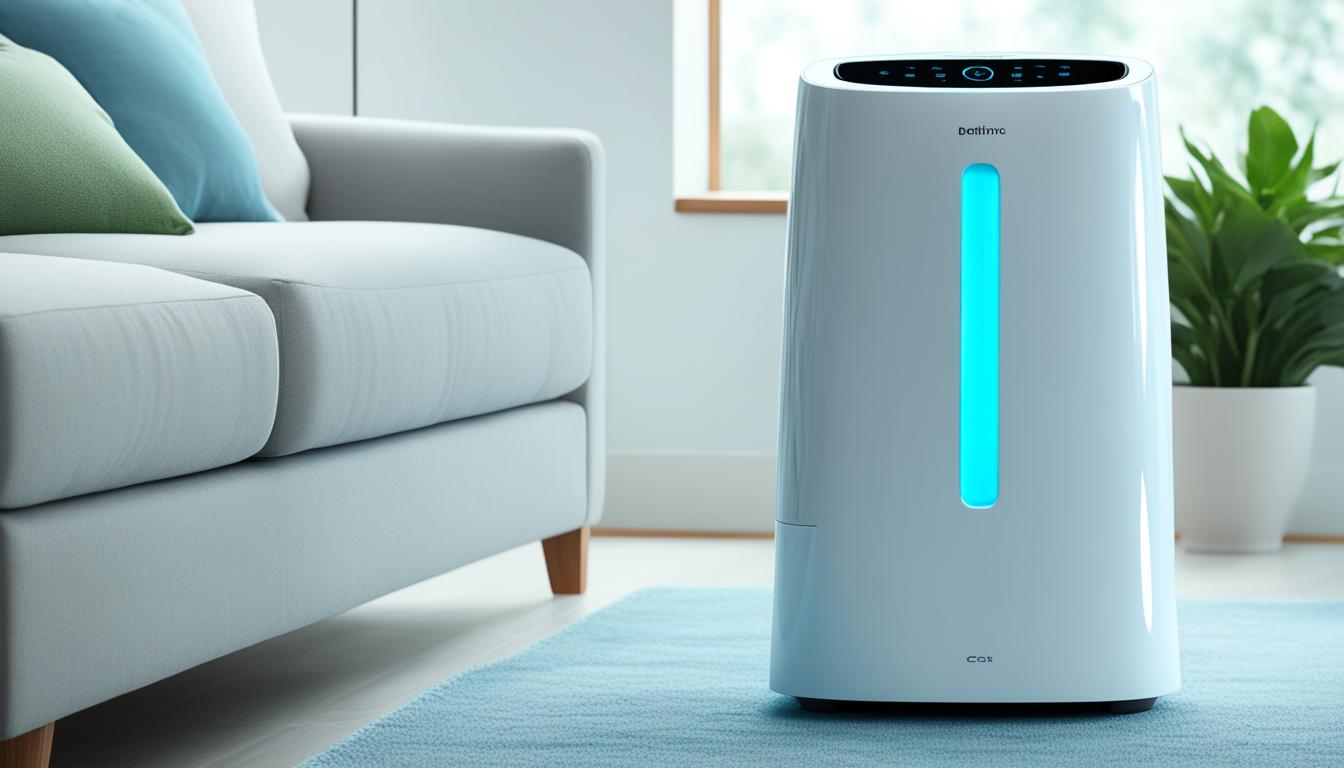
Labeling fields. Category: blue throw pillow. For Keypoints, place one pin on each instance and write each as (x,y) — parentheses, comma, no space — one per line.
(143,64)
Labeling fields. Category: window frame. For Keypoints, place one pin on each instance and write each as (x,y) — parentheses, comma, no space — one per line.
(715,200)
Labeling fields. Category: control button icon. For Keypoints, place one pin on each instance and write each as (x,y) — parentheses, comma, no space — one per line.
(979,74)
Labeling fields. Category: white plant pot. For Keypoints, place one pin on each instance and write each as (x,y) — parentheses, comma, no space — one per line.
(1241,457)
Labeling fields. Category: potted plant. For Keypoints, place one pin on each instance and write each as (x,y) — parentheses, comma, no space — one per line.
(1258,305)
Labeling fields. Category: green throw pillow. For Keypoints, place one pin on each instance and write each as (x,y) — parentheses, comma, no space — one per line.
(63,166)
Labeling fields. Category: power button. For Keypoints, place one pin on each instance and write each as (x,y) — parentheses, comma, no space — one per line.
(979,74)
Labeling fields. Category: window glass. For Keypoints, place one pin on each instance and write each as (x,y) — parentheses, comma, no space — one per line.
(1215,60)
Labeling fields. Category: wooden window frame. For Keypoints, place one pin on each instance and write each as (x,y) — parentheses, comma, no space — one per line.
(715,200)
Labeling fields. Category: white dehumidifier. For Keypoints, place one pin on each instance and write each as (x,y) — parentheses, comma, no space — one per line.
(975,477)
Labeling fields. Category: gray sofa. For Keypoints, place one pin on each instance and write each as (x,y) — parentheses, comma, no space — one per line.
(210,440)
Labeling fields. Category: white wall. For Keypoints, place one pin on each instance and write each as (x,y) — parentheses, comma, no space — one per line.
(307,45)
(695,301)
(1322,507)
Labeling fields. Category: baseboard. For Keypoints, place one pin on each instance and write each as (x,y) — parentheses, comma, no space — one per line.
(722,493)
(697,494)
(1320,512)
(670,533)
(637,533)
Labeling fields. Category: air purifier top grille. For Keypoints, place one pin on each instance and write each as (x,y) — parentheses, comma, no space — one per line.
(970,72)
(981,73)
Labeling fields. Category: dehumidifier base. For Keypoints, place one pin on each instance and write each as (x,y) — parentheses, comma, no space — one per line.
(1126,707)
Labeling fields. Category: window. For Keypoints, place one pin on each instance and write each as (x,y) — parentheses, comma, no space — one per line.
(1215,60)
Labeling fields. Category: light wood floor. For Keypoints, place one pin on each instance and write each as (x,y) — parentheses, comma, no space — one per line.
(277,703)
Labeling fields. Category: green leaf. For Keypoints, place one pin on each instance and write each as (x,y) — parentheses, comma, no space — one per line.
(1186,238)
(1325,346)
(1329,252)
(1184,190)
(1185,348)
(1323,172)
(1250,243)
(1293,185)
(1191,193)
(1284,290)
(1296,279)
(1224,187)
(1311,331)
(1300,214)
(1270,149)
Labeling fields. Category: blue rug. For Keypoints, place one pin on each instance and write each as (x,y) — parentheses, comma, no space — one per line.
(679,677)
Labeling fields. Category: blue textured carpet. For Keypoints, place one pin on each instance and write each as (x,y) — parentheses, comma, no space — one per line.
(678,677)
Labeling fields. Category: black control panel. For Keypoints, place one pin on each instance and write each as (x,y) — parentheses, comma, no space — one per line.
(980,73)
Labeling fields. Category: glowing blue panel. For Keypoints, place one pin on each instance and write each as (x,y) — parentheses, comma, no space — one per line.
(979,335)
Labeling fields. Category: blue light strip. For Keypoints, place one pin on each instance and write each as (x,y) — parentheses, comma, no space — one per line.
(979,335)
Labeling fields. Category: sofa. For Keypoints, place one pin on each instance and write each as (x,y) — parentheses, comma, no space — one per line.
(209,440)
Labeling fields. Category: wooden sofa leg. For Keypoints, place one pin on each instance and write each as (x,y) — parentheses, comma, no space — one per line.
(567,561)
(29,750)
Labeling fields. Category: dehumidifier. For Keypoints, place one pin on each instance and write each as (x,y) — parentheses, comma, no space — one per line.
(975,477)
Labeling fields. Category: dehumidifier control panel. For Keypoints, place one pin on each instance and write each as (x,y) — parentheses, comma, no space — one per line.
(980,73)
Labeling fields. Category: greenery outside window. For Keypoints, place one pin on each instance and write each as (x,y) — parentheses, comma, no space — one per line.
(1214,61)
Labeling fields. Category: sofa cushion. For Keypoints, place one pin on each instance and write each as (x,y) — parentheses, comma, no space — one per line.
(229,35)
(142,62)
(64,167)
(115,374)
(386,326)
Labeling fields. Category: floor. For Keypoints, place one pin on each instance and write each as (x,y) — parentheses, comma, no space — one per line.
(278,703)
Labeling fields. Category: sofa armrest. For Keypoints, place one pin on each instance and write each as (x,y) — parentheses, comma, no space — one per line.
(540,182)
(545,183)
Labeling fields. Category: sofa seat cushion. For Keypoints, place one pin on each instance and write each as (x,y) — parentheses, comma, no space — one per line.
(386,326)
(116,374)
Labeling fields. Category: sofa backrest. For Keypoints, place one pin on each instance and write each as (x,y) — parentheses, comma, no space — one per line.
(228,32)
